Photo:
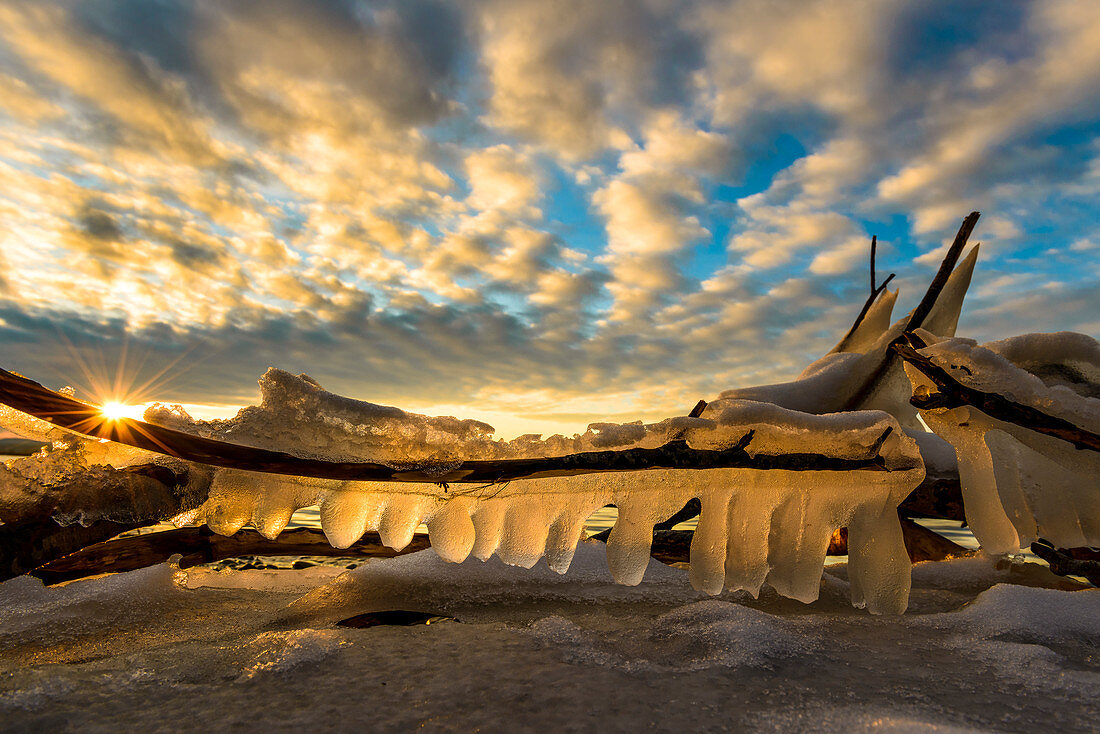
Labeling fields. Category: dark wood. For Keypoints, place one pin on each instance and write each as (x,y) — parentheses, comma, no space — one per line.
(953,394)
(1084,562)
(937,496)
(26,545)
(690,509)
(876,291)
(201,545)
(197,545)
(920,313)
(62,410)
(947,266)
(921,543)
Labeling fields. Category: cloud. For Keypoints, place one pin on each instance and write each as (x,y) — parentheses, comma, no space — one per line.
(530,203)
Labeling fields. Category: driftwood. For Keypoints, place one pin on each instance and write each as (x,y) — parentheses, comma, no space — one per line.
(32,398)
(921,543)
(27,545)
(953,394)
(920,313)
(201,545)
(1084,562)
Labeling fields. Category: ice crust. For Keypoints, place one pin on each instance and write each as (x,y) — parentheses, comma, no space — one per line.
(536,651)
(1017,484)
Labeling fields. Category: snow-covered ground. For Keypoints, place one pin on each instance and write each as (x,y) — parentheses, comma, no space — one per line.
(981,648)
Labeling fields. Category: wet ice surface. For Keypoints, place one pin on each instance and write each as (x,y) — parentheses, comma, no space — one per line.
(156,650)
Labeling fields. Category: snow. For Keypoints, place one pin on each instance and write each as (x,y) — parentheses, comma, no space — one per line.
(533,650)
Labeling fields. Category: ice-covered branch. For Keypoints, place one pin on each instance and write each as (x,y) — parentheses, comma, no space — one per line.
(863,372)
(919,314)
(61,410)
(1025,426)
(950,393)
(1084,562)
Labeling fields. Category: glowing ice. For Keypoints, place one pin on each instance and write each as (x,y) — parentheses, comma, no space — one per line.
(1019,484)
(755,525)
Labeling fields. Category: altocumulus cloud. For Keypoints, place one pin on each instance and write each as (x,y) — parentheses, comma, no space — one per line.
(557,209)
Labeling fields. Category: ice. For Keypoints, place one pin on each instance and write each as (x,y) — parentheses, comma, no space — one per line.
(756,526)
(535,650)
(1019,484)
(827,384)
(699,636)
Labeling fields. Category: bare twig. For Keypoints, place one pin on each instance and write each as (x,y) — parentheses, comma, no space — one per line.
(871,298)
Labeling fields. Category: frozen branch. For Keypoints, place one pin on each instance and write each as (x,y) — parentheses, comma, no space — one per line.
(66,412)
(952,394)
(920,313)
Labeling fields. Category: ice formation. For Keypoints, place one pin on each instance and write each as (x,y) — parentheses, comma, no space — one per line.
(1019,484)
(76,480)
(755,525)
(830,382)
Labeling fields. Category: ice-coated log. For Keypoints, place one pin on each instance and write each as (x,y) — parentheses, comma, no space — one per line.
(768,522)
(754,524)
(1023,473)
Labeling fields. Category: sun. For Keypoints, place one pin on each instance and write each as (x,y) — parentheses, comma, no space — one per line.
(115,410)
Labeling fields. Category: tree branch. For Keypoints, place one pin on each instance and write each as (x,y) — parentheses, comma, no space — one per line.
(30,397)
(1065,561)
(201,545)
(875,292)
(953,394)
(920,313)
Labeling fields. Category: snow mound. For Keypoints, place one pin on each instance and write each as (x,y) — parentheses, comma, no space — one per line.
(696,636)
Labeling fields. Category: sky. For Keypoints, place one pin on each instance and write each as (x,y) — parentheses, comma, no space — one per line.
(539,213)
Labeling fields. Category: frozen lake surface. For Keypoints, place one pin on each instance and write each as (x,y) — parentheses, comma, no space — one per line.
(982,648)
